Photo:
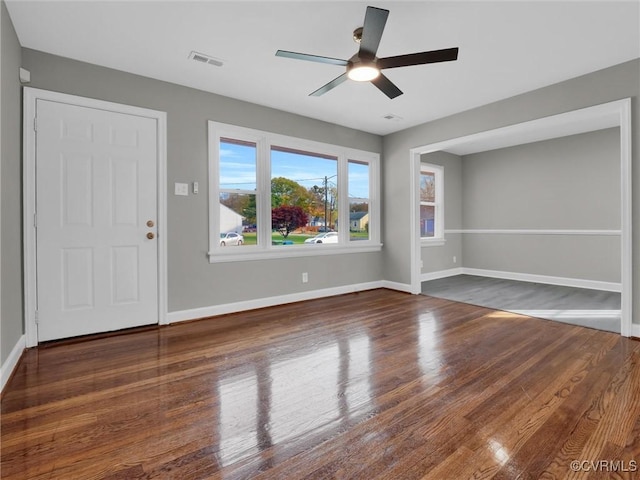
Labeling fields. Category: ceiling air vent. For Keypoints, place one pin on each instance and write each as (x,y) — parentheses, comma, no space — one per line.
(392,117)
(202,58)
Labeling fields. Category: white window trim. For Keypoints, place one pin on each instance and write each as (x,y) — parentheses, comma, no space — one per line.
(438,238)
(264,141)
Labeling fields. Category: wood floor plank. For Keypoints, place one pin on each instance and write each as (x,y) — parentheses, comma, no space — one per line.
(373,385)
(568,421)
(501,419)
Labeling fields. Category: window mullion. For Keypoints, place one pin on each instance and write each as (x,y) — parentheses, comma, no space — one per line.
(343,199)
(263,199)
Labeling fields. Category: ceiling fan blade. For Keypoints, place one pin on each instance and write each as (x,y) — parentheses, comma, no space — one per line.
(374,22)
(332,84)
(311,58)
(386,86)
(434,56)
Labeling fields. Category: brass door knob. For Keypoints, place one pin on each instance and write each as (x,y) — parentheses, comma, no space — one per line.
(150,235)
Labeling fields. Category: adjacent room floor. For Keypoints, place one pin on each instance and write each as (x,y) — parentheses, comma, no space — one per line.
(577,306)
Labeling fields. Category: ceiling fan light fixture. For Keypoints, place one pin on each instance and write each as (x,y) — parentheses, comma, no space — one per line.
(363,72)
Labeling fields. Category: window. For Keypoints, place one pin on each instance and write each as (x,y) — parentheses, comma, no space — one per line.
(358,200)
(431,204)
(278,196)
(237,191)
(304,194)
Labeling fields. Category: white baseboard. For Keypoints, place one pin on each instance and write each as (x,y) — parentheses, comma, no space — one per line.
(564,314)
(550,280)
(400,287)
(524,277)
(203,312)
(12,361)
(451,272)
(635,330)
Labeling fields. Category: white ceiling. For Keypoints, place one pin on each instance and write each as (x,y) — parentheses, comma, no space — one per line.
(506,48)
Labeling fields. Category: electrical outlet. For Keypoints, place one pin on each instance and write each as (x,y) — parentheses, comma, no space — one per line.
(454,259)
(305,277)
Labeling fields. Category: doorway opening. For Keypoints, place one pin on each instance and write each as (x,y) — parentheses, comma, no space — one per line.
(599,117)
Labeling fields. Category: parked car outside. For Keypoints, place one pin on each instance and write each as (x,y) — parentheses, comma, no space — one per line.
(231,238)
(327,237)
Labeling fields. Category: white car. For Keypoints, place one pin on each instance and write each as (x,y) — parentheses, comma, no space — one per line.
(327,237)
(231,238)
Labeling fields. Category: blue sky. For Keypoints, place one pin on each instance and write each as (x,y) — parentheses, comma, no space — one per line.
(237,169)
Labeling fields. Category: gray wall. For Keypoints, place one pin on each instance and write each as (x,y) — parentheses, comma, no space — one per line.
(440,257)
(570,183)
(588,257)
(614,83)
(193,281)
(11,324)
(565,183)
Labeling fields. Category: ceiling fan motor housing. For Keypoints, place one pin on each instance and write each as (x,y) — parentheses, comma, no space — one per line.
(357,35)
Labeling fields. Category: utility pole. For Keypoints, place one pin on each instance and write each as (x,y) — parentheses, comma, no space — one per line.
(326,194)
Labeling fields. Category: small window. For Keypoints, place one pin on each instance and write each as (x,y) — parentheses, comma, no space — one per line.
(431,203)
(359,180)
(237,191)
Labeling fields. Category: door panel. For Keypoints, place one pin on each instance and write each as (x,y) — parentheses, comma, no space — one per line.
(126,287)
(96,188)
(77,278)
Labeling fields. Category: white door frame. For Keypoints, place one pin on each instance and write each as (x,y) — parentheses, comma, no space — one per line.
(31,95)
(611,114)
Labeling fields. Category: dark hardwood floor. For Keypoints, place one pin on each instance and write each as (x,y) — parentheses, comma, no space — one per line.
(373,385)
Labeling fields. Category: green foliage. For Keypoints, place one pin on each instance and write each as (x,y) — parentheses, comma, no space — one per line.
(289,192)
(359,207)
(242,204)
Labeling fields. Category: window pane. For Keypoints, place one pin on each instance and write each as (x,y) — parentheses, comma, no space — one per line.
(427,220)
(304,195)
(427,187)
(237,219)
(358,200)
(237,165)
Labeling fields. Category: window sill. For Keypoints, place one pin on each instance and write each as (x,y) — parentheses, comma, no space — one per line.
(432,242)
(289,251)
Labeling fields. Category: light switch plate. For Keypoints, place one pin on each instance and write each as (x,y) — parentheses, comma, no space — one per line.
(181,188)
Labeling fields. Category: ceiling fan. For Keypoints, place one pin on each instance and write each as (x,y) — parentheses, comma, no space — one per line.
(364,66)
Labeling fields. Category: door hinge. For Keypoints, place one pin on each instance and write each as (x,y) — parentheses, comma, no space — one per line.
(35,124)
(37,317)
(35,220)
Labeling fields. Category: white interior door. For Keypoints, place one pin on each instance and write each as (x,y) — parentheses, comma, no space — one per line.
(96,204)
